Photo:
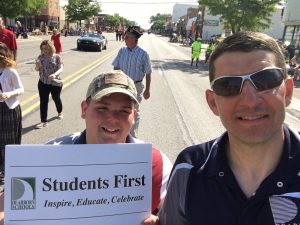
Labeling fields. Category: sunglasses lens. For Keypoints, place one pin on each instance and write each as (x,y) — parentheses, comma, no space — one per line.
(227,86)
(267,79)
(263,80)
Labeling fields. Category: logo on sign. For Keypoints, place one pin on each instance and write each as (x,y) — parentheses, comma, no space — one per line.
(23,193)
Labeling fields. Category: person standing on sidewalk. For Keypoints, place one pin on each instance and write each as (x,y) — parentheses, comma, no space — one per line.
(55,38)
(196,50)
(135,63)
(10,110)
(8,37)
(66,31)
(49,66)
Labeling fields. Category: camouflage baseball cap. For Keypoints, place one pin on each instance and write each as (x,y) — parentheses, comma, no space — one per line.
(111,82)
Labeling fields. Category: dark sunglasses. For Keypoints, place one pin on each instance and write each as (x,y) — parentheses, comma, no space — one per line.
(265,79)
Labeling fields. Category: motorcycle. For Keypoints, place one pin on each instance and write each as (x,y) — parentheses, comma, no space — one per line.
(174,38)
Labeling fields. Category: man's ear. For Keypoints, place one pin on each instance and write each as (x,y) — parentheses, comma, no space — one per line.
(211,101)
(135,112)
(289,88)
(84,106)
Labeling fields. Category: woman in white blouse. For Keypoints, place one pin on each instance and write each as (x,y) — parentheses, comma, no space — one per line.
(10,110)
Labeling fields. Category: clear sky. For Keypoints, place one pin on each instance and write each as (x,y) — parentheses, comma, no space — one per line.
(139,11)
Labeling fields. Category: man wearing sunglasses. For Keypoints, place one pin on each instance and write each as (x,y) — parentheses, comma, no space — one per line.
(250,174)
(135,63)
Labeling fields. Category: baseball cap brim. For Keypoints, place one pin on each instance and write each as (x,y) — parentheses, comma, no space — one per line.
(111,90)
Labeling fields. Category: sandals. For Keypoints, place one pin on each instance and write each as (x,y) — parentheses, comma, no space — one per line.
(41,125)
(60,116)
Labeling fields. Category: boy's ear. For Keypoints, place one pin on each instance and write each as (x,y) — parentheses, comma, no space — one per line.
(84,106)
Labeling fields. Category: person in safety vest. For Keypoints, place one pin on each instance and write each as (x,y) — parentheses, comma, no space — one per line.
(196,49)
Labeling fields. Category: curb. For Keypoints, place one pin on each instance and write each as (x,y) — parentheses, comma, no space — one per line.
(30,38)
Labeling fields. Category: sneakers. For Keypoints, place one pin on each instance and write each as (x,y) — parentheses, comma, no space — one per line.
(60,116)
(41,125)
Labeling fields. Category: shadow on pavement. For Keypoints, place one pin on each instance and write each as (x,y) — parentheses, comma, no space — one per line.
(181,65)
(28,129)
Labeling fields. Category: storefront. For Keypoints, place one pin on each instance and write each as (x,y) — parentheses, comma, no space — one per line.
(45,20)
(291,20)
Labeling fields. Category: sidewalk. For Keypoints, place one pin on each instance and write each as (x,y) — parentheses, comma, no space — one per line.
(31,38)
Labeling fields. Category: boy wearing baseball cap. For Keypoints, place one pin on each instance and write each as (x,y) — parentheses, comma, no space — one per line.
(109,110)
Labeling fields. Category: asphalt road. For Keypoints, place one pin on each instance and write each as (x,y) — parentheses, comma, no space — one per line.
(175,116)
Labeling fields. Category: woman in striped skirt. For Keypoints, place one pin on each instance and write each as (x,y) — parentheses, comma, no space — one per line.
(10,110)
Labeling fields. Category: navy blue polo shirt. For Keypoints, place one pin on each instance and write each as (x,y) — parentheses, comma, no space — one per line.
(203,189)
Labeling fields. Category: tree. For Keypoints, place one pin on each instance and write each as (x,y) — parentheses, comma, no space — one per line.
(127,23)
(15,8)
(242,15)
(33,7)
(81,9)
(114,21)
(11,8)
(158,22)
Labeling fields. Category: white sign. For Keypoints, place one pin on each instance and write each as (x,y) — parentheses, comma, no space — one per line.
(77,184)
(211,23)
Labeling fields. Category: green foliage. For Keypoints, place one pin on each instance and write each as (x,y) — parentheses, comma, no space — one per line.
(11,8)
(81,9)
(127,23)
(33,7)
(16,8)
(114,21)
(242,15)
(158,21)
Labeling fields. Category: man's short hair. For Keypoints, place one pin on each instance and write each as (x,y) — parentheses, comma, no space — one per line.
(248,42)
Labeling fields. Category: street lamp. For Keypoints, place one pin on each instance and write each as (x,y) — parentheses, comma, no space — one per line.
(199,22)
(182,26)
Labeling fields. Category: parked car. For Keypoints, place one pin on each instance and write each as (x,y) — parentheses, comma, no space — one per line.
(92,41)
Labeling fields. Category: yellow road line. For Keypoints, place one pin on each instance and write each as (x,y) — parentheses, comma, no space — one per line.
(26,101)
(70,79)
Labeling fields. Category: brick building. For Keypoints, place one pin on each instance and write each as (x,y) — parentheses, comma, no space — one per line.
(49,15)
